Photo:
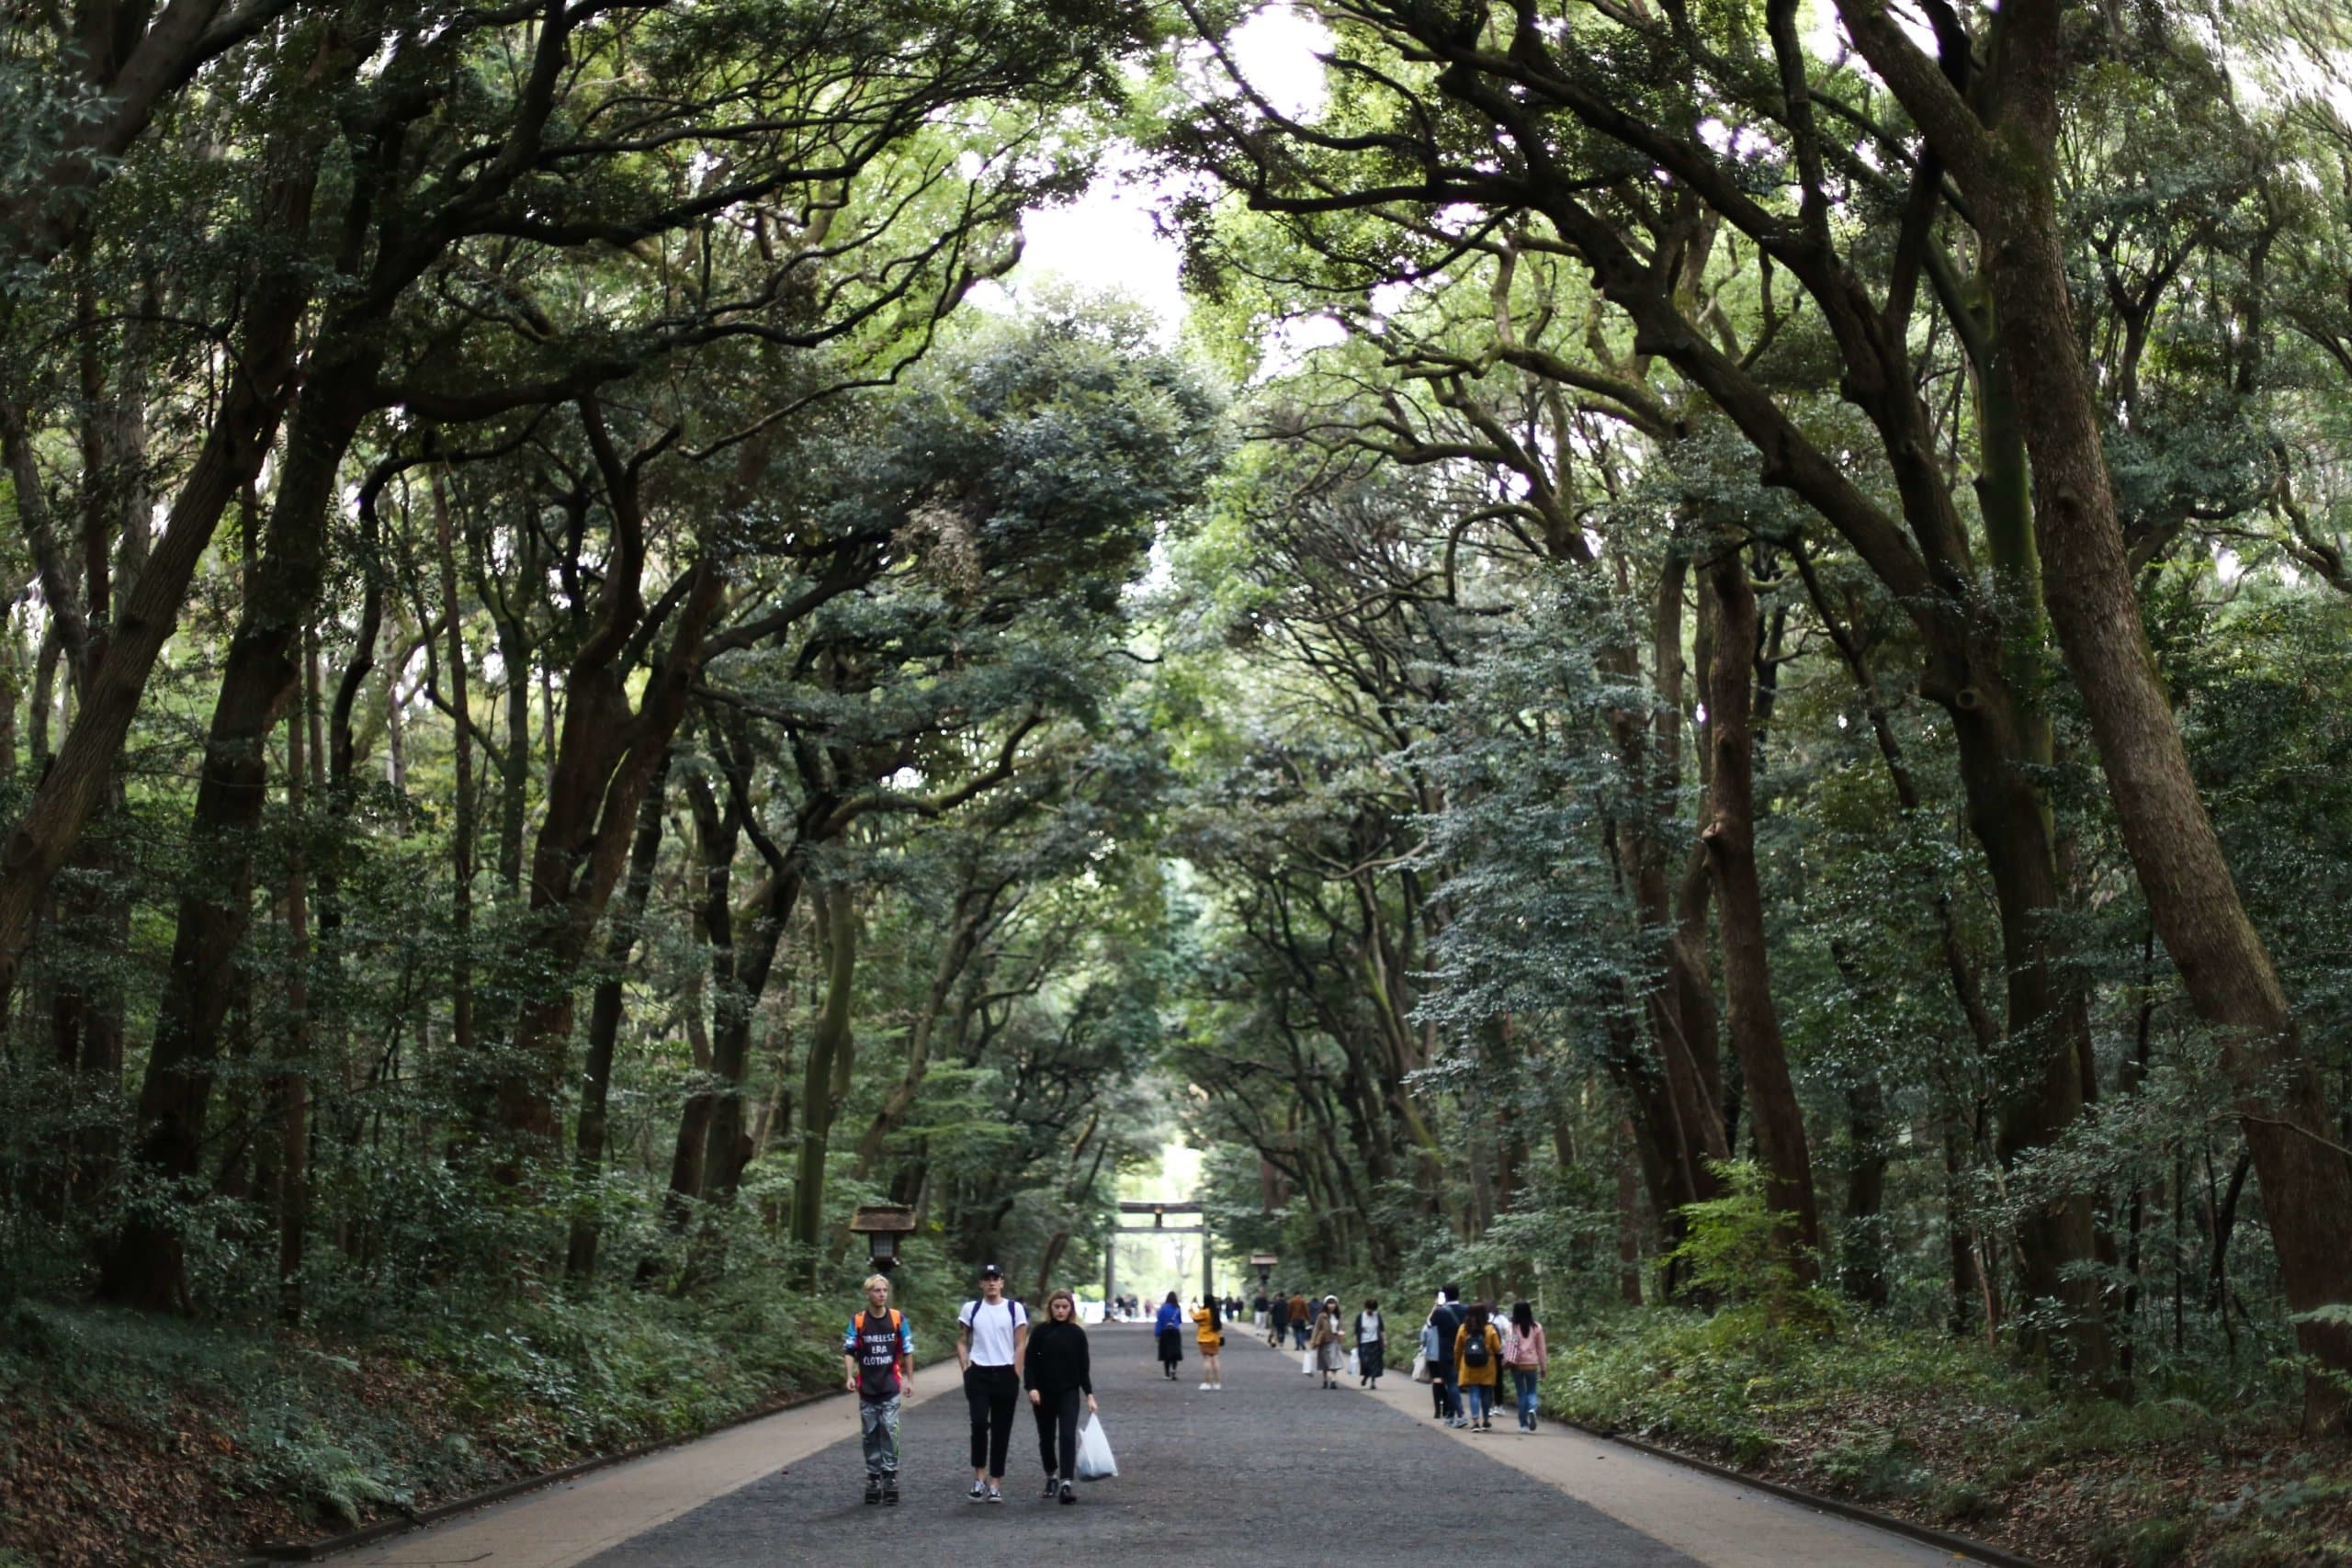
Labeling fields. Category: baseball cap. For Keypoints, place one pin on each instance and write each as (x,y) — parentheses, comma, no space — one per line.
(992,1271)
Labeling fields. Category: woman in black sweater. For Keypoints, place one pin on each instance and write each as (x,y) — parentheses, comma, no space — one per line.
(1059,1376)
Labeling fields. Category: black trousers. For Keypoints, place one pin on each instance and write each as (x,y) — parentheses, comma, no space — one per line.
(1057,1417)
(991,1392)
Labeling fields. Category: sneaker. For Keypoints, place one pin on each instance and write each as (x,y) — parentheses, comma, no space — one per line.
(978,1493)
(890,1491)
(873,1490)
(1070,1493)
(1204,1388)
(996,1493)
(1053,1485)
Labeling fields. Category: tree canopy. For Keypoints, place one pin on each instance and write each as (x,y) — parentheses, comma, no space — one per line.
(1717,615)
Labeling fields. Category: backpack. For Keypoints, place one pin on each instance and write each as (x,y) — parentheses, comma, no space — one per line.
(1474,1354)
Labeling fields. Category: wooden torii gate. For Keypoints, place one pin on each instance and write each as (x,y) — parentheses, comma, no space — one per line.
(1159,1213)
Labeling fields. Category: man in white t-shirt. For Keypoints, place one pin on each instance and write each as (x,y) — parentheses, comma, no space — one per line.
(991,1343)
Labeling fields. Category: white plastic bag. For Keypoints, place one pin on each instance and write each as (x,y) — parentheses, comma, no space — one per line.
(1422,1370)
(1356,1367)
(1307,1362)
(1094,1461)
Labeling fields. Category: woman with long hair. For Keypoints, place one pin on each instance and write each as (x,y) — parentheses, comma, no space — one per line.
(1208,1321)
(1478,1362)
(1059,1373)
(1330,1356)
(1166,1327)
(1529,1359)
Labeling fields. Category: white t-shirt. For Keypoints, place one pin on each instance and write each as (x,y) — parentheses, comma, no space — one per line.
(993,1329)
(1368,1329)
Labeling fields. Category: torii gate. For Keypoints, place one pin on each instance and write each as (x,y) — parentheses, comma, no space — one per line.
(1159,1213)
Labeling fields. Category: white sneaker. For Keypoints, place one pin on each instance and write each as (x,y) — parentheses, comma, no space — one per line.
(1204,1388)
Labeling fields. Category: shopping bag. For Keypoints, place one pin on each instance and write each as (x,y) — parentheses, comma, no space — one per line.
(1355,1367)
(1307,1362)
(1421,1372)
(1094,1461)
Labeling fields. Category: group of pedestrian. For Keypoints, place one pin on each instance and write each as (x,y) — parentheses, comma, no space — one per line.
(1466,1350)
(1001,1357)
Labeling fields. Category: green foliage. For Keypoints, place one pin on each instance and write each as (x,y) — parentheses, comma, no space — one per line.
(1736,1248)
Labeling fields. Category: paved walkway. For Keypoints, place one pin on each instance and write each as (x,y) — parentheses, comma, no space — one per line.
(1272,1468)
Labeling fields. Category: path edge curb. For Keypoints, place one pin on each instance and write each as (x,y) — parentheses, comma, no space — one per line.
(1960,1545)
(268,1554)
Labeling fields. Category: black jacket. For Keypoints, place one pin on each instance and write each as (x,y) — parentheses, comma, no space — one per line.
(1448,1319)
(1058,1359)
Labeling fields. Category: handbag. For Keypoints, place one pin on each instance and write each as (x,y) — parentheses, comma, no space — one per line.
(1355,1367)
(1421,1372)
(1094,1461)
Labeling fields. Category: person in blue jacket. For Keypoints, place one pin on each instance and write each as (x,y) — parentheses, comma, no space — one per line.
(1169,1327)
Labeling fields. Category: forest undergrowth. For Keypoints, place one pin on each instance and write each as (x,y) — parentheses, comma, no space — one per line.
(2207,1464)
(130,1441)
(2199,1469)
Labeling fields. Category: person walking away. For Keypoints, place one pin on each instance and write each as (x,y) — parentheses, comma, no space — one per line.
(1278,1315)
(1169,1326)
(1330,1355)
(1478,1360)
(1257,1310)
(879,1360)
(1434,1355)
(1371,1343)
(1448,1317)
(991,1344)
(1060,1374)
(1524,1353)
(1208,1322)
(1300,1311)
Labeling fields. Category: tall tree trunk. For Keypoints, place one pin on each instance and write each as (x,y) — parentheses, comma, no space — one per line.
(144,1266)
(1864,1248)
(294,1078)
(514,762)
(604,1025)
(716,834)
(234,447)
(830,1050)
(605,762)
(729,1146)
(461,828)
(1730,836)
(2008,171)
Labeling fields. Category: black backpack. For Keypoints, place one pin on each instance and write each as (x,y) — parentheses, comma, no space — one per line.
(1475,1353)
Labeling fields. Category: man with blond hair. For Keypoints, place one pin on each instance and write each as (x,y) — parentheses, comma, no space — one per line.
(879,1360)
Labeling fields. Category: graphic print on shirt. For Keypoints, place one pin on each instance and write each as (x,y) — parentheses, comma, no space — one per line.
(878,1343)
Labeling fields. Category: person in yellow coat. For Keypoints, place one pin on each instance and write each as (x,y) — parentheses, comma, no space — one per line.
(1477,1361)
(1209,1324)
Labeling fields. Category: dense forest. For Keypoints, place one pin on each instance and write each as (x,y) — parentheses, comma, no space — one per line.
(1712,681)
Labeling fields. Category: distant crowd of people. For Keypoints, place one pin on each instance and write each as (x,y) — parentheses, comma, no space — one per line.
(1464,1350)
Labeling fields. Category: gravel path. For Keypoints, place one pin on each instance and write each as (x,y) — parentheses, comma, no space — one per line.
(1271,1469)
